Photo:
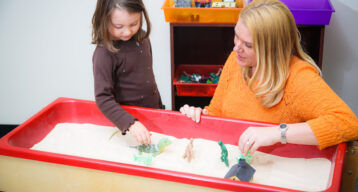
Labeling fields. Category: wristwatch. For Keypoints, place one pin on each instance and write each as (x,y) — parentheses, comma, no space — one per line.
(283,129)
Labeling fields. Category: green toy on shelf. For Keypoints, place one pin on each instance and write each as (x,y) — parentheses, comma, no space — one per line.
(197,78)
(215,78)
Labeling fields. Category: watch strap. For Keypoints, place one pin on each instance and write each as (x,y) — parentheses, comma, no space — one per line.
(283,130)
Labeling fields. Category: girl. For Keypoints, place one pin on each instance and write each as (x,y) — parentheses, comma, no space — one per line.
(122,64)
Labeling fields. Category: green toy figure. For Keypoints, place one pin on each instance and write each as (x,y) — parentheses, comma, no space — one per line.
(224,153)
(185,79)
(153,149)
(248,157)
(214,77)
(143,159)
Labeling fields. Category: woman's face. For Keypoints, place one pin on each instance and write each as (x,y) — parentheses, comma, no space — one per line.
(123,25)
(243,46)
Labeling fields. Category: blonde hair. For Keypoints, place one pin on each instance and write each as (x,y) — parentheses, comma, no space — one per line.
(100,34)
(275,39)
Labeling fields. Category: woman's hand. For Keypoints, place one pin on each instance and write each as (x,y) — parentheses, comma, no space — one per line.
(193,112)
(254,137)
(140,133)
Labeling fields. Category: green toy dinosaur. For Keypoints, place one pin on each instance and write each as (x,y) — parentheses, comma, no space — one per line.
(153,149)
(143,159)
(248,157)
(224,153)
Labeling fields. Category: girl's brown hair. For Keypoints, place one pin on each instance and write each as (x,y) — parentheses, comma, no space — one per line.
(100,20)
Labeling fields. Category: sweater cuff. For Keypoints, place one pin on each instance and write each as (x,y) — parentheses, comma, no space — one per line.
(322,133)
(123,123)
(130,124)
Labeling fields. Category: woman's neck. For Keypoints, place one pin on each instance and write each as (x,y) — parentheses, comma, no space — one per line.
(252,71)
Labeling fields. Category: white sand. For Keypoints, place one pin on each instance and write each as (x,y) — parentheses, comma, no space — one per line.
(92,141)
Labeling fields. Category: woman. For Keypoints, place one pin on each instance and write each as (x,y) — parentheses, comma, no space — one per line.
(268,77)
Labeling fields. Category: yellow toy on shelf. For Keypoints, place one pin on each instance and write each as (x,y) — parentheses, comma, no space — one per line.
(224,5)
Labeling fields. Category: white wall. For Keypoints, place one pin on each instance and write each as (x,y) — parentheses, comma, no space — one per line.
(45,53)
(340,56)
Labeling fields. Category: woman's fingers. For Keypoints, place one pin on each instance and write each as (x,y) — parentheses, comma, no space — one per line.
(243,138)
(184,109)
(193,113)
(197,114)
(254,137)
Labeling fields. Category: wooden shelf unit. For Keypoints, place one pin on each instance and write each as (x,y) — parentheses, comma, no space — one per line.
(212,43)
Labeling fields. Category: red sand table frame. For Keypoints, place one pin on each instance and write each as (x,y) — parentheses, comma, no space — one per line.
(15,147)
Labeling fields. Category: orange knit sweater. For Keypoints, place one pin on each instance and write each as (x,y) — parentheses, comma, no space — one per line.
(307,98)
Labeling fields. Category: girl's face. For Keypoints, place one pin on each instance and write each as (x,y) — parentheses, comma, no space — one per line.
(243,46)
(123,25)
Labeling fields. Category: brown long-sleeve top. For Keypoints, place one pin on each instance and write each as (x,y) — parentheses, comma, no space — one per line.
(125,77)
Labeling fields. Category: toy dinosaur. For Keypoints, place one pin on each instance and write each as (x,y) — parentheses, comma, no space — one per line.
(143,159)
(224,153)
(248,157)
(153,149)
(189,151)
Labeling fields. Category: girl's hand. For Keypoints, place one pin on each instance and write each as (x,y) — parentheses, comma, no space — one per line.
(193,112)
(254,137)
(140,133)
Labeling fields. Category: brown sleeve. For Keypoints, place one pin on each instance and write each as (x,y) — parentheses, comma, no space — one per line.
(103,69)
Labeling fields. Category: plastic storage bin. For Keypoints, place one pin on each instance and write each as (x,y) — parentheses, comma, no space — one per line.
(305,12)
(195,89)
(22,169)
(200,15)
(308,12)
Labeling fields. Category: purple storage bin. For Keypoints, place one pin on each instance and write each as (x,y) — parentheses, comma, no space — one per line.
(310,12)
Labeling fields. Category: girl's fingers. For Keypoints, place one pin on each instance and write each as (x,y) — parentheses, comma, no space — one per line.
(147,137)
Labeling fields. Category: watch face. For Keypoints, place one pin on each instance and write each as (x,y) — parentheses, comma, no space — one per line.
(283,126)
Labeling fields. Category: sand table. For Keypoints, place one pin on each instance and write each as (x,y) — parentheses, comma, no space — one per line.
(92,141)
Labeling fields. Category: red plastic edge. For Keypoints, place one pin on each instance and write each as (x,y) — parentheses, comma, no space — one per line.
(205,181)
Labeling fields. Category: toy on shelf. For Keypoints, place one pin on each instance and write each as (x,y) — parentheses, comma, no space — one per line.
(153,149)
(241,171)
(183,3)
(224,153)
(196,78)
(189,153)
(202,3)
(224,4)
